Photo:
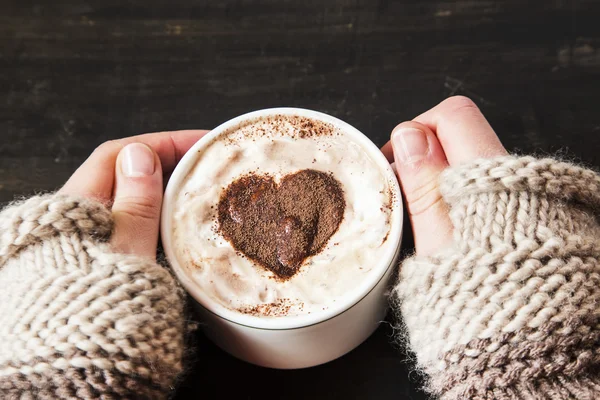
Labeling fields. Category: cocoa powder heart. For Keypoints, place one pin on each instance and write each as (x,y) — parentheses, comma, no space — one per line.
(280,225)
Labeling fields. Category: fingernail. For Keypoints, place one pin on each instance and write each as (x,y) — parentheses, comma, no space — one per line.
(137,160)
(410,144)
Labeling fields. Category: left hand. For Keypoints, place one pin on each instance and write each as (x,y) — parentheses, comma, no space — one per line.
(127,175)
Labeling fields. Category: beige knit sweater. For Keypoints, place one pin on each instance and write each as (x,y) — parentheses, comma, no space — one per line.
(511,311)
(76,320)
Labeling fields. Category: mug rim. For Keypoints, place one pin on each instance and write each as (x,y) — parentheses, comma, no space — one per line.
(345,302)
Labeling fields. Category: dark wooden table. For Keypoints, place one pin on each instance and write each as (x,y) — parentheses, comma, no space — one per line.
(76,73)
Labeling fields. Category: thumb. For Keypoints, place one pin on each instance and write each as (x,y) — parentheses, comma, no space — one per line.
(419,160)
(138,199)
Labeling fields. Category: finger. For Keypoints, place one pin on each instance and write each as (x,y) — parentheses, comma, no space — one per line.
(462,130)
(388,151)
(170,146)
(95,177)
(419,160)
(138,198)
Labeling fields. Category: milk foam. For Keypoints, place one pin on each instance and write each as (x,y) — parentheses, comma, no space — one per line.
(278,146)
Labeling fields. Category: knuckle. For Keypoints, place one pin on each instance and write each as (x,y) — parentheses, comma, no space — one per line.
(424,197)
(460,104)
(138,207)
(108,146)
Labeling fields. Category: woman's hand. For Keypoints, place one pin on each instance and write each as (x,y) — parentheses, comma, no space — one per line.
(127,175)
(451,133)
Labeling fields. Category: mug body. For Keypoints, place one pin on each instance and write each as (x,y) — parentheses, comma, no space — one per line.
(291,341)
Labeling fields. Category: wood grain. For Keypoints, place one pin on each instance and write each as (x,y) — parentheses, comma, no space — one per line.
(76,73)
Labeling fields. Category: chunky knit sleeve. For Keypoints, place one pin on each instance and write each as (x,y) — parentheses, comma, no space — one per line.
(512,310)
(76,320)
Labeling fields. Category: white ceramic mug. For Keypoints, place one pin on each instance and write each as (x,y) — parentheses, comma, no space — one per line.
(291,341)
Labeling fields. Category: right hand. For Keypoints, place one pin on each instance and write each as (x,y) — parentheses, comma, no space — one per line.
(451,133)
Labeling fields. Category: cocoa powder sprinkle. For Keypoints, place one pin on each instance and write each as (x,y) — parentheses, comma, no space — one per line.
(278,226)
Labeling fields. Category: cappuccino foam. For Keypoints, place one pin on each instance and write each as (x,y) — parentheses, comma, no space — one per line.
(279,147)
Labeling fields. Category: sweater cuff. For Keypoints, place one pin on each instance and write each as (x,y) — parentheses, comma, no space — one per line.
(78,320)
(546,176)
(38,218)
(482,324)
(512,310)
(522,201)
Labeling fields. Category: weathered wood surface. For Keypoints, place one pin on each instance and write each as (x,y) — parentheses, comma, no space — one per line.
(76,73)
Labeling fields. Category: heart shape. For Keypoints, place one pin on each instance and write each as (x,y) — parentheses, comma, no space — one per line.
(280,225)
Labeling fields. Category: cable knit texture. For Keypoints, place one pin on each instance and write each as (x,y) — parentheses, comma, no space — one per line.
(76,320)
(512,310)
